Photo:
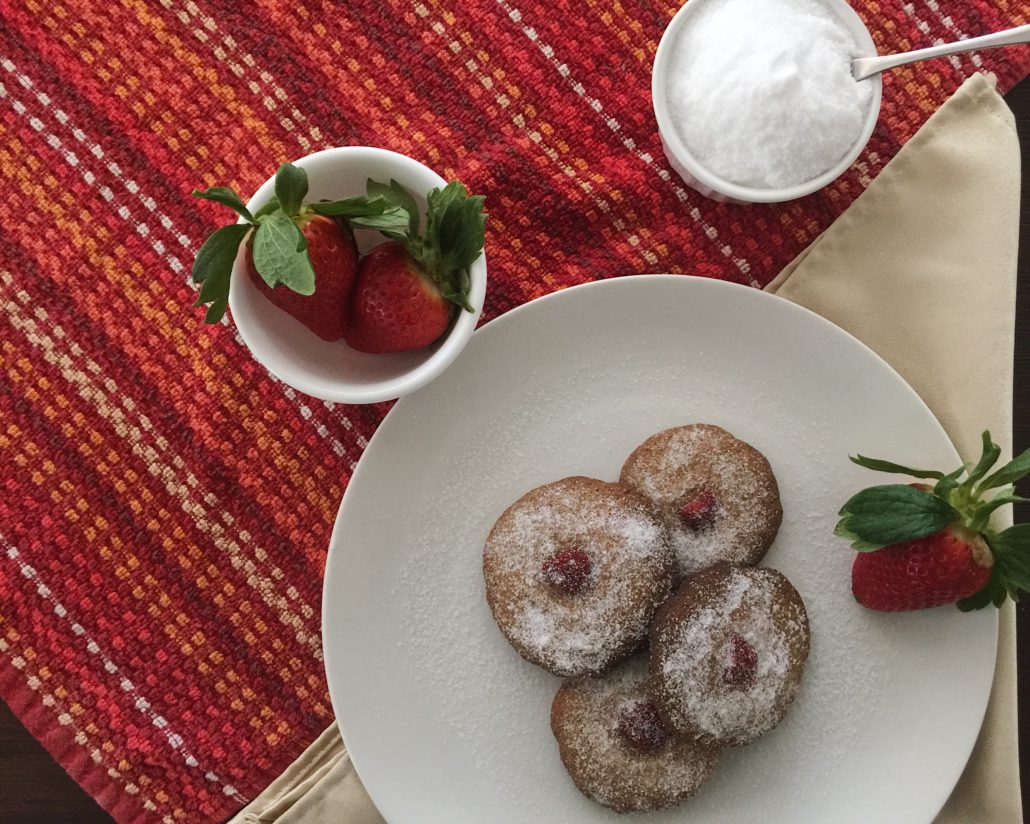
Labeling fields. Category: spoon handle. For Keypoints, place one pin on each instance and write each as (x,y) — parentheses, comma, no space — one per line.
(864,67)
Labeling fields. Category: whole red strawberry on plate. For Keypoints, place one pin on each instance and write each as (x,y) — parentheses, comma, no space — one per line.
(925,544)
(306,247)
(407,290)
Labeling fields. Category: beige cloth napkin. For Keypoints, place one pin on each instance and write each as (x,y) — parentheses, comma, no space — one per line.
(922,269)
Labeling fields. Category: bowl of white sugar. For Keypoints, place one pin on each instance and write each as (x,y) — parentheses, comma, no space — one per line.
(755,99)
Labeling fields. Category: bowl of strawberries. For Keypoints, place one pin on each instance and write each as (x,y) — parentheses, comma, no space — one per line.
(354,275)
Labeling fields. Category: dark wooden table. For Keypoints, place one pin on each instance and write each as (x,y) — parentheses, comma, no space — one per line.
(35,790)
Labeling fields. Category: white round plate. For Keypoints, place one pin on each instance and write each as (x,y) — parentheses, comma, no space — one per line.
(445,723)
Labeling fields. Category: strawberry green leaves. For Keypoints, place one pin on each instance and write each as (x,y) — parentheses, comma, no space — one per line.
(291,187)
(399,198)
(1015,470)
(1011,550)
(276,240)
(989,455)
(944,482)
(213,267)
(887,466)
(455,231)
(392,222)
(268,208)
(884,515)
(227,197)
(452,241)
(355,207)
(368,212)
(992,593)
(1010,574)
(982,512)
(280,254)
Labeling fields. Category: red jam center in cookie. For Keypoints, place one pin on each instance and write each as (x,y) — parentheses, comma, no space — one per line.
(743,663)
(641,727)
(699,510)
(568,570)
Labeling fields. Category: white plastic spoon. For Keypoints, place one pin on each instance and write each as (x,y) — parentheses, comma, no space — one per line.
(864,67)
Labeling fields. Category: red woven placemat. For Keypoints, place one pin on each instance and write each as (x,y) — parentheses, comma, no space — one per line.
(166,503)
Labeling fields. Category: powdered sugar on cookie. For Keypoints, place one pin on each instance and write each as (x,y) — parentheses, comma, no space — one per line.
(623,566)
(728,655)
(678,467)
(587,718)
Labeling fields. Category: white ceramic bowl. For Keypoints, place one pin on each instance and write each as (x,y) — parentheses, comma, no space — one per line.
(712,185)
(333,371)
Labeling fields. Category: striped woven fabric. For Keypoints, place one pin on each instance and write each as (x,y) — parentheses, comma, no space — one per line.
(167,504)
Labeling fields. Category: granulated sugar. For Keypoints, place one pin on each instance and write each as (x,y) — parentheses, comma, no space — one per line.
(761,91)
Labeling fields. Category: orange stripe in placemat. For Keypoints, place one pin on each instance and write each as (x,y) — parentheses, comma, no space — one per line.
(185,633)
(205,30)
(658,165)
(201,514)
(82,511)
(280,462)
(377,110)
(159,317)
(188,556)
(633,33)
(135,785)
(153,84)
(81,638)
(508,95)
(119,181)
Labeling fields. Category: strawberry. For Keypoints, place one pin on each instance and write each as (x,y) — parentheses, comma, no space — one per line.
(936,569)
(334,259)
(396,306)
(923,545)
(302,246)
(743,663)
(568,570)
(641,727)
(406,291)
(699,510)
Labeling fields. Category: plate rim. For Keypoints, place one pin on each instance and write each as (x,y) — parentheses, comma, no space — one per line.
(333,559)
